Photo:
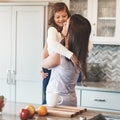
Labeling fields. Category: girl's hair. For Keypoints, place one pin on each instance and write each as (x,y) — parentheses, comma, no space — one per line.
(78,39)
(59,6)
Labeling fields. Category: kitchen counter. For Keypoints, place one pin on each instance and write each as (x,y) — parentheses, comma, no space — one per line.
(103,85)
(11,112)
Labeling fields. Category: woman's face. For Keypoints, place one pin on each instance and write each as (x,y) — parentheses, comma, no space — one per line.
(60,18)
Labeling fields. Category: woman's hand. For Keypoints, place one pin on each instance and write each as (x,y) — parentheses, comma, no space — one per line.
(43,75)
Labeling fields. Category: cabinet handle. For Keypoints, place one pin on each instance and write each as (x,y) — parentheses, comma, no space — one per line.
(94,28)
(100,100)
(9,77)
(13,77)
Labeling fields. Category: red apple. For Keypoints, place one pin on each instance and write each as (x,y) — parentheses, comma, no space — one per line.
(2,103)
(24,114)
(31,110)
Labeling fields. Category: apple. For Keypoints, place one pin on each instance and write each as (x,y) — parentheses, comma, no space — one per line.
(24,114)
(42,110)
(2,102)
(31,110)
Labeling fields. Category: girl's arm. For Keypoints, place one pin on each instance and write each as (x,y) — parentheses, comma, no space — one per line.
(55,45)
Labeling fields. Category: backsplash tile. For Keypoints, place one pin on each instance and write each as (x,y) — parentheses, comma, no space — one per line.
(108,57)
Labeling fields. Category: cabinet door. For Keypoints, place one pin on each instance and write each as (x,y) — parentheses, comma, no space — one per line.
(28,33)
(105,21)
(5,52)
(104,18)
(101,100)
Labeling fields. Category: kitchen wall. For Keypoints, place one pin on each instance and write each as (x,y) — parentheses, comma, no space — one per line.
(105,60)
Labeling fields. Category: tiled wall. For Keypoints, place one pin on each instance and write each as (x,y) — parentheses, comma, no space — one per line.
(104,60)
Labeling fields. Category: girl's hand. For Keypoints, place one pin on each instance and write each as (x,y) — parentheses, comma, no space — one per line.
(43,75)
(76,63)
(65,28)
(74,60)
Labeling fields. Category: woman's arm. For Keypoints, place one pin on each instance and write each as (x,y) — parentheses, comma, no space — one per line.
(45,51)
(51,61)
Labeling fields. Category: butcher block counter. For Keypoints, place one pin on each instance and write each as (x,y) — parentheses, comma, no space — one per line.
(12,110)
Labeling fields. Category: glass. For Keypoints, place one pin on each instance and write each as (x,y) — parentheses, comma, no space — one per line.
(106,18)
(106,28)
(79,6)
(106,8)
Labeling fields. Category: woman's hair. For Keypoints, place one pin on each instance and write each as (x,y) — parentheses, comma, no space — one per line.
(59,6)
(78,39)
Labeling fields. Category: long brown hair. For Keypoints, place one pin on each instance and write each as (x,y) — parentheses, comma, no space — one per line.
(56,7)
(78,38)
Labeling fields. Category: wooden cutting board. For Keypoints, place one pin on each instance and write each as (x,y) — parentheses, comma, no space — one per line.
(65,111)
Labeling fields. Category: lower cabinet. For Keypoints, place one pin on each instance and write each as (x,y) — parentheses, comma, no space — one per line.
(98,99)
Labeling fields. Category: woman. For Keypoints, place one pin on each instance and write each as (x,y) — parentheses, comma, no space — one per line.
(64,74)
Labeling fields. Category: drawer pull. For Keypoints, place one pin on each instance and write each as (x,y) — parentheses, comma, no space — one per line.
(100,100)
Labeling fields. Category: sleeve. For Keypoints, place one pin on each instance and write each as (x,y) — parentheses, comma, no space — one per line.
(55,46)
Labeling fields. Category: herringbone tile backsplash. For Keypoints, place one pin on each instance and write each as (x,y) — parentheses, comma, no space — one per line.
(104,63)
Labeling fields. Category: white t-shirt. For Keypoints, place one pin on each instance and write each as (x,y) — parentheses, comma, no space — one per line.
(54,45)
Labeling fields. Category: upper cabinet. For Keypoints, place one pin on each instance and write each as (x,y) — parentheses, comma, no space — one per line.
(104,18)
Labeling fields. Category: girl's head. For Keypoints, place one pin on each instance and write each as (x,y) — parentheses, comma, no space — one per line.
(78,38)
(59,15)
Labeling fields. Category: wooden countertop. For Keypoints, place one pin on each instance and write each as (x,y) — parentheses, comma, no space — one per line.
(11,112)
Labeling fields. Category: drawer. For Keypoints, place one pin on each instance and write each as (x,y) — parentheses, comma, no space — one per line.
(101,99)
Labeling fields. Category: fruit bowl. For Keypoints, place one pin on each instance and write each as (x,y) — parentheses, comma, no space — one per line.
(2,102)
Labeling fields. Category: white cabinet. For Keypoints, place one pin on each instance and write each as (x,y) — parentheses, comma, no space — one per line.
(22,28)
(104,18)
(5,51)
(98,98)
